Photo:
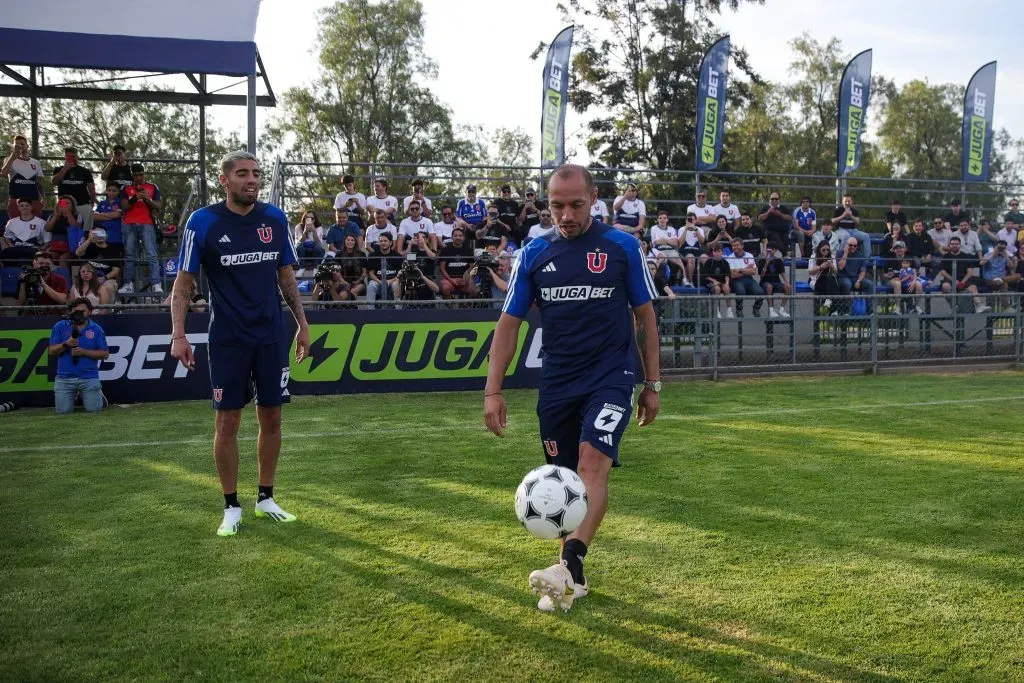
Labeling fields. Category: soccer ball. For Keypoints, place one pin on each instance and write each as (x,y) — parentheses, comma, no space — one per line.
(551,501)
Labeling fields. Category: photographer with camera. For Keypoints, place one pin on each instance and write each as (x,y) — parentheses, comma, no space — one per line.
(491,273)
(382,270)
(38,285)
(455,261)
(327,283)
(414,283)
(79,345)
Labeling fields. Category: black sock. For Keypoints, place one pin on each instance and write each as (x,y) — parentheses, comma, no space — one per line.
(573,553)
(265,492)
(231,500)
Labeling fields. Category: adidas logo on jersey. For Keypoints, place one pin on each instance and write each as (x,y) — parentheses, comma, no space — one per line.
(575,293)
(549,268)
(224,240)
(607,439)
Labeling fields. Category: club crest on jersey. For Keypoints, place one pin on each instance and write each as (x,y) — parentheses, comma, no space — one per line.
(265,233)
(551,447)
(596,261)
(218,394)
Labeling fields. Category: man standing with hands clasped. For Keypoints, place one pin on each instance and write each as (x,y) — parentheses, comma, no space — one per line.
(588,372)
(247,340)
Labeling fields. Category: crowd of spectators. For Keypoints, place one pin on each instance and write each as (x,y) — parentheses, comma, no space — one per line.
(73,242)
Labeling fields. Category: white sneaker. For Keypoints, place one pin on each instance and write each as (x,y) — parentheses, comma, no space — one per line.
(828,303)
(555,583)
(772,313)
(687,283)
(271,510)
(718,313)
(982,309)
(157,289)
(729,313)
(919,310)
(232,520)
(783,312)
(128,288)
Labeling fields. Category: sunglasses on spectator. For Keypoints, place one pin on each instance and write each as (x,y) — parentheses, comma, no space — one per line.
(545,215)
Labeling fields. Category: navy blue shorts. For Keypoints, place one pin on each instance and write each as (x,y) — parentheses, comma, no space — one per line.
(598,418)
(238,373)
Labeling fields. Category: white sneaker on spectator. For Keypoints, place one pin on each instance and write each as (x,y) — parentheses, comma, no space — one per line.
(687,283)
(157,288)
(783,312)
(827,304)
(718,313)
(232,520)
(128,288)
(919,310)
(729,313)
(982,309)
(772,313)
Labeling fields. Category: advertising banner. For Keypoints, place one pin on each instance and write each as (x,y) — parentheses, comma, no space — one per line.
(979,101)
(351,352)
(714,75)
(854,92)
(555,100)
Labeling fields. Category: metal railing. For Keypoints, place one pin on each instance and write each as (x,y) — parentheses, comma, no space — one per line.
(698,336)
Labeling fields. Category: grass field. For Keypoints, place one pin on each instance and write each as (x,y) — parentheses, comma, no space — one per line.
(864,528)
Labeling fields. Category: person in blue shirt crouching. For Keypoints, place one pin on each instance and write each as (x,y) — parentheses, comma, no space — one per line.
(79,345)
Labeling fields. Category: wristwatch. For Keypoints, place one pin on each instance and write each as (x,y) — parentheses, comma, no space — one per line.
(653,385)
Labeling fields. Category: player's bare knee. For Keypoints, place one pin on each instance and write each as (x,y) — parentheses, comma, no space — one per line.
(269,419)
(592,463)
(227,421)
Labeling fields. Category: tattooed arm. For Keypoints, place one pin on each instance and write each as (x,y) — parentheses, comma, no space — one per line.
(647,338)
(181,349)
(290,294)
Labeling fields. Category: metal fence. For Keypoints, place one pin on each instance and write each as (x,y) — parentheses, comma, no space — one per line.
(696,339)
(300,185)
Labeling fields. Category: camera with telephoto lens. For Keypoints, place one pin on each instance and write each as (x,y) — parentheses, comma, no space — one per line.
(410,271)
(324,272)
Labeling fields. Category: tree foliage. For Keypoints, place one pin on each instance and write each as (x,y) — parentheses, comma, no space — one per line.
(636,62)
(148,131)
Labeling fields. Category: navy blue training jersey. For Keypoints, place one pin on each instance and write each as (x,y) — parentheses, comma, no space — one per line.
(584,289)
(241,255)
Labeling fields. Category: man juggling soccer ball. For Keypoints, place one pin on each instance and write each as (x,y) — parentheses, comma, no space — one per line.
(584,277)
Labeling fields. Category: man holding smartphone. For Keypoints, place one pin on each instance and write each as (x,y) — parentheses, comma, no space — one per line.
(141,204)
(76,181)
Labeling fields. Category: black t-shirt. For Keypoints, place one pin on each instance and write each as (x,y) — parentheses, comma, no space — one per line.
(351,265)
(954,219)
(494,234)
(892,266)
(457,260)
(751,237)
(103,259)
(772,269)
(659,282)
(75,183)
(919,245)
(777,228)
(714,232)
(898,217)
(508,212)
(533,215)
(846,223)
(60,229)
(963,262)
(1015,216)
(122,175)
(392,262)
(716,268)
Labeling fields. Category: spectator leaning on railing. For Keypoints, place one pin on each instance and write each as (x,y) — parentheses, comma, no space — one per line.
(79,345)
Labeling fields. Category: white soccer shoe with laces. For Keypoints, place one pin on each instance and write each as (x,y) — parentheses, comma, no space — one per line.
(268,508)
(557,589)
(232,520)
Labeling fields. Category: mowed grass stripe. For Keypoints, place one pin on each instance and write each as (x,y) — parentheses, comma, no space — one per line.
(779,531)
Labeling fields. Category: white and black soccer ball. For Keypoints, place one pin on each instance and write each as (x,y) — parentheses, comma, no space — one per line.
(551,501)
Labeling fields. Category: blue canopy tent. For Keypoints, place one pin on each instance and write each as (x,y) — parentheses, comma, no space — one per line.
(195,38)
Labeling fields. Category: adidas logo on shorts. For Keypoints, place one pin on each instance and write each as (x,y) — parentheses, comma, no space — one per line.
(607,439)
